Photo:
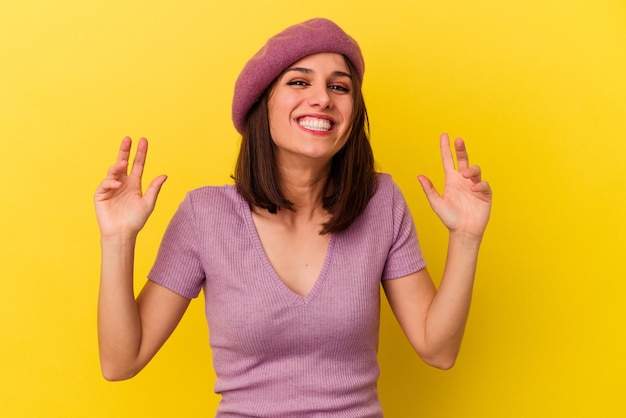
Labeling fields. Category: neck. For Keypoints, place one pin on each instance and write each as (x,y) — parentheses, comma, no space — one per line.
(303,182)
(304,189)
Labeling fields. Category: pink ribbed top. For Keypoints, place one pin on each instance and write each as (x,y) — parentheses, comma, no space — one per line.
(276,353)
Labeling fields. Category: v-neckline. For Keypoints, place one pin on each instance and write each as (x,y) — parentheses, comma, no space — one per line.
(275,278)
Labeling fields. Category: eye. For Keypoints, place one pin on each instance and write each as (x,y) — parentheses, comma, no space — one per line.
(339,88)
(300,83)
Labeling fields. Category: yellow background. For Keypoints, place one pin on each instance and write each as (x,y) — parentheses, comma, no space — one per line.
(536,87)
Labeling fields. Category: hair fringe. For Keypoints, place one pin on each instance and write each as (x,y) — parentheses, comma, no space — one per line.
(352,178)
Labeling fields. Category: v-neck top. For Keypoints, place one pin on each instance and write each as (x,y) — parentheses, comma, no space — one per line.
(277,353)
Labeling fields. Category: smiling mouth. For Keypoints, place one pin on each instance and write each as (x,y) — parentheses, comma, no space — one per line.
(315,124)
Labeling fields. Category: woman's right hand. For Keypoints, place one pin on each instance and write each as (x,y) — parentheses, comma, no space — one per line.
(122,208)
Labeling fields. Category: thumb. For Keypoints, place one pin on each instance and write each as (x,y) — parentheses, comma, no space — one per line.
(429,189)
(152,192)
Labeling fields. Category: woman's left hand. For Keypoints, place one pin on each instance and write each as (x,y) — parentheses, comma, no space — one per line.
(465,204)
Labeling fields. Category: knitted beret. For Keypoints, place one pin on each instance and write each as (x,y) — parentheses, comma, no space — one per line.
(280,51)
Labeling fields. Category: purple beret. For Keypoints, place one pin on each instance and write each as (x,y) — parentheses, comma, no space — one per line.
(282,50)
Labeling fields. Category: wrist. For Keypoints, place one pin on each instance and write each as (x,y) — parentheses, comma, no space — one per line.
(465,239)
(118,239)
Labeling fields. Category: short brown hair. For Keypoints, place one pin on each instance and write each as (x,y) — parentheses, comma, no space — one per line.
(351,181)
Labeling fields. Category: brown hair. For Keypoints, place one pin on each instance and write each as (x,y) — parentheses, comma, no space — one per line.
(351,180)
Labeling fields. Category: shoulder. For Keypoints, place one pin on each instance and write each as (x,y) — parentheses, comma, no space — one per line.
(385,183)
(387,191)
(386,200)
(388,204)
(214,197)
(211,203)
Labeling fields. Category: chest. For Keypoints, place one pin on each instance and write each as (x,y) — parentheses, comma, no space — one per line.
(317,291)
(251,310)
(296,254)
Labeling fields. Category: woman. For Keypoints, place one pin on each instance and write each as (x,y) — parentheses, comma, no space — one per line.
(291,257)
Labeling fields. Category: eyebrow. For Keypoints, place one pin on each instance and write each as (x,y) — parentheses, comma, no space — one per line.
(310,71)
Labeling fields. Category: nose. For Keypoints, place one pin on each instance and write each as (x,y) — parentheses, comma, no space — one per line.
(319,96)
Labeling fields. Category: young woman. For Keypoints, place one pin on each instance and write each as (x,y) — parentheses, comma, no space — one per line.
(292,256)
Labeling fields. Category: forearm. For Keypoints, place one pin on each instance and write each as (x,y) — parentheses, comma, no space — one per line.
(119,324)
(448,313)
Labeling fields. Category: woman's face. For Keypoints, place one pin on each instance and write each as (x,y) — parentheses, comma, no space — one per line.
(310,108)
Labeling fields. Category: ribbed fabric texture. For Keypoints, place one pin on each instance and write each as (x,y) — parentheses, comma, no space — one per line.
(276,353)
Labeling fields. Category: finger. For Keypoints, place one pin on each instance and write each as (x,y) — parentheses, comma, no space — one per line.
(482,187)
(429,190)
(140,158)
(124,152)
(462,158)
(446,153)
(473,173)
(107,185)
(152,192)
(117,169)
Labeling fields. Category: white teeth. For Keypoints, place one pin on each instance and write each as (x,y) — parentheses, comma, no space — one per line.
(315,124)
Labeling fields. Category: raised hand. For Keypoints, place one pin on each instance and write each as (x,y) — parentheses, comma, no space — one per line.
(465,204)
(121,206)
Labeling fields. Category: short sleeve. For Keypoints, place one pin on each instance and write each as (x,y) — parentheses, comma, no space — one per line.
(178,266)
(405,255)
